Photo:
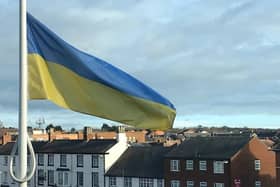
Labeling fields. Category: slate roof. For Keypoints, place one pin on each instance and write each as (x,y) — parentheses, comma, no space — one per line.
(66,147)
(209,147)
(140,161)
(276,147)
(6,149)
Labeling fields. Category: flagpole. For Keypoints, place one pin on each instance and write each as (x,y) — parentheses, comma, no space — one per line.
(22,137)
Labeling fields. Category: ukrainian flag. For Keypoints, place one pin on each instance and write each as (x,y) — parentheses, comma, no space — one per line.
(81,82)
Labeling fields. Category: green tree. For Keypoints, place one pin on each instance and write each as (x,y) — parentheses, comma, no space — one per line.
(58,128)
(49,126)
(73,130)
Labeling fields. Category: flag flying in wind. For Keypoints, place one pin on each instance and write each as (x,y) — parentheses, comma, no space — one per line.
(81,82)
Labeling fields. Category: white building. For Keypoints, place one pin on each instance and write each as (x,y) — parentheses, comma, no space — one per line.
(68,163)
(139,166)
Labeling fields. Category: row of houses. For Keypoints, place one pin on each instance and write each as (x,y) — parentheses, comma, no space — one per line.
(196,162)
(36,134)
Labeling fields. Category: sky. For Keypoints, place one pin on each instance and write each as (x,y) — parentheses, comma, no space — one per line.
(217,61)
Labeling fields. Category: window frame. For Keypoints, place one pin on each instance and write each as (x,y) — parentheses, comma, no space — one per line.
(127,181)
(4,177)
(64,178)
(94,161)
(146,182)
(202,164)
(219,167)
(174,183)
(174,165)
(257,165)
(258,184)
(203,184)
(5,160)
(160,183)
(189,163)
(219,184)
(80,178)
(41,159)
(190,183)
(95,182)
(49,181)
(112,182)
(41,179)
(50,159)
(62,161)
(80,160)
(14,160)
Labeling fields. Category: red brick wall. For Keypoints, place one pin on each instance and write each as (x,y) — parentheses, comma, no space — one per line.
(138,136)
(278,167)
(6,138)
(243,167)
(196,175)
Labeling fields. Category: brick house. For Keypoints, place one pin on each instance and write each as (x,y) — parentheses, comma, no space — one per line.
(277,151)
(220,162)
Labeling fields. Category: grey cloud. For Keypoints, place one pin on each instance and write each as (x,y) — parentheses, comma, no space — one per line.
(208,57)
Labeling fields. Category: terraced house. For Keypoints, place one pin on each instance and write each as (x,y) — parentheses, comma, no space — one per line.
(196,162)
(220,162)
(277,151)
(68,162)
(139,166)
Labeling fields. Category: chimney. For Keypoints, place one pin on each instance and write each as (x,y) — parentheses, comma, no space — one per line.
(121,136)
(51,134)
(6,138)
(88,133)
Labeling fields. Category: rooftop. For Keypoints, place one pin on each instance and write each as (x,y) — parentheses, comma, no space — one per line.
(66,146)
(276,147)
(140,161)
(209,147)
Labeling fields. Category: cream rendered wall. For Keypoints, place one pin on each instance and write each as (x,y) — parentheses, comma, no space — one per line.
(116,151)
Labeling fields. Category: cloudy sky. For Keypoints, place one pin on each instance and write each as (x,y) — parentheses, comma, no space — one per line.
(218,61)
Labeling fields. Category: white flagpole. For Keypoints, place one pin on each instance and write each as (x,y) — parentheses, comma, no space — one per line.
(22,139)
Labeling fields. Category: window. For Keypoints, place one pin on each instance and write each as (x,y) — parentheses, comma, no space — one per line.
(41,177)
(175,183)
(112,182)
(28,160)
(189,164)
(94,160)
(219,185)
(80,179)
(40,159)
(63,160)
(14,160)
(174,165)
(257,165)
(62,178)
(190,184)
(146,182)
(203,184)
(50,177)
(159,183)
(80,160)
(258,184)
(95,180)
(218,167)
(50,160)
(5,163)
(202,165)
(127,182)
(4,177)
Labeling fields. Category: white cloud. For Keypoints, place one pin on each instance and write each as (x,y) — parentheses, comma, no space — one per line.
(209,57)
